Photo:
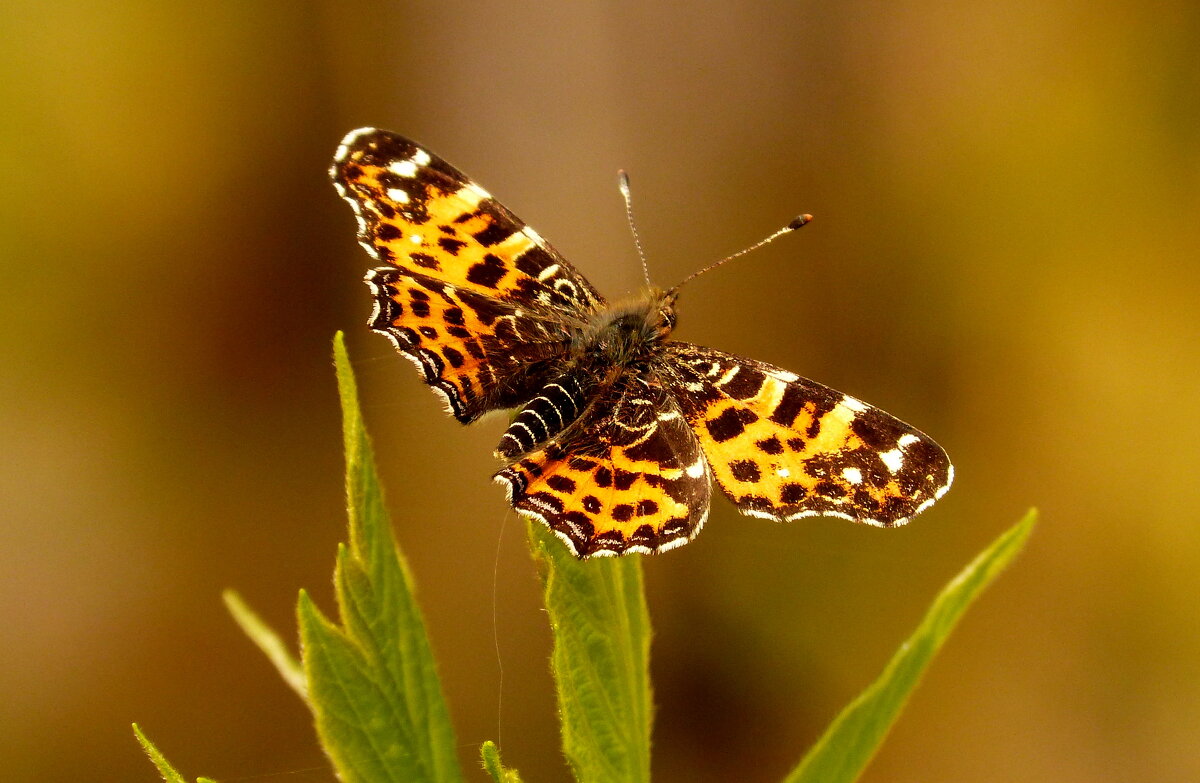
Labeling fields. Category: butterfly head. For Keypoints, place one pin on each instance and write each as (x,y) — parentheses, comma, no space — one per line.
(662,320)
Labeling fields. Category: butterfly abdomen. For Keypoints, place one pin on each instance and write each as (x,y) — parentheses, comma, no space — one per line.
(555,407)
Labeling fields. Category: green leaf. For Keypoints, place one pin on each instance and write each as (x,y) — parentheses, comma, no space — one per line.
(164,767)
(268,641)
(601,659)
(490,754)
(372,684)
(849,743)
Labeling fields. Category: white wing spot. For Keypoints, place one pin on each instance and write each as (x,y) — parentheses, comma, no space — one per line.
(343,150)
(507,483)
(906,439)
(728,376)
(405,168)
(894,459)
(548,272)
(472,194)
(416,239)
(853,475)
(783,473)
(667,546)
(858,406)
(398,195)
(949,480)
(421,158)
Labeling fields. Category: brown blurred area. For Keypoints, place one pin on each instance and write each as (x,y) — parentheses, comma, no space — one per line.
(1005,253)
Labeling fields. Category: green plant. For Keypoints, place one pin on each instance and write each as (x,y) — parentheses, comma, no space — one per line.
(371,683)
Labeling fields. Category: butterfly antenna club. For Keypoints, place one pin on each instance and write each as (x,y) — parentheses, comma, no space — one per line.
(797,222)
(623,183)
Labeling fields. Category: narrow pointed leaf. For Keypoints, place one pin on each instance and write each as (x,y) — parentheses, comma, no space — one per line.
(490,755)
(372,683)
(268,641)
(845,749)
(601,659)
(169,774)
(164,767)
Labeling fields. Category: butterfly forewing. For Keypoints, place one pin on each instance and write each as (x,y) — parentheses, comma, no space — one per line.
(421,214)
(475,298)
(785,447)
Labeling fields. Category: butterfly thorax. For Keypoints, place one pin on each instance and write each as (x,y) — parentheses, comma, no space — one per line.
(628,333)
(614,347)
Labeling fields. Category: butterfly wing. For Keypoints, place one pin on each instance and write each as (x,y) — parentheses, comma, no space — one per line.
(628,477)
(479,353)
(478,301)
(420,214)
(784,447)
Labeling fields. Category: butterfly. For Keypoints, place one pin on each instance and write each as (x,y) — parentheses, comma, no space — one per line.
(619,432)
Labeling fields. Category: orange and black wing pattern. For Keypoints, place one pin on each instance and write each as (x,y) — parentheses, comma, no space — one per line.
(618,433)
(629,476)
(784,447)
(478,353)
(474,297)
(420,214)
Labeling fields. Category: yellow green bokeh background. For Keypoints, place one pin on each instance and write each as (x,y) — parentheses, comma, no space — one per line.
(1006,252)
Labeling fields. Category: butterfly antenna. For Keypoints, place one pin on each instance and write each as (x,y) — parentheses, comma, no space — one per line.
(796,223)
(637,240)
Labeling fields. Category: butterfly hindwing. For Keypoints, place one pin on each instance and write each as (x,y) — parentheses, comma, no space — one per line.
(628,477)
(479,353)
(784,447)
(420,214)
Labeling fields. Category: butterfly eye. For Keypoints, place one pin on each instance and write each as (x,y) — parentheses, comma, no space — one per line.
(667,319)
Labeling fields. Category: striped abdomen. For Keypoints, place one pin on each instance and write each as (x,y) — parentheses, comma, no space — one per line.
(549,413)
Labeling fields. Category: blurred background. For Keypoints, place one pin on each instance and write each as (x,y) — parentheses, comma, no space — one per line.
(1005,253)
